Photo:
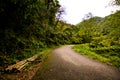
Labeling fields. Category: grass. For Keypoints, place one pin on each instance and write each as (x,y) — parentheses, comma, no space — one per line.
(41,55)
(109,55)
(44,66)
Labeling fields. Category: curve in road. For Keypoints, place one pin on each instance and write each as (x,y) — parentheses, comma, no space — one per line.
(65,64)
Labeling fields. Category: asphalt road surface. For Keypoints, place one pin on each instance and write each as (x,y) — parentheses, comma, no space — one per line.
(65,64)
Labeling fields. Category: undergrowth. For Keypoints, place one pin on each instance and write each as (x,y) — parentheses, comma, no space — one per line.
(109,55)
(40,56)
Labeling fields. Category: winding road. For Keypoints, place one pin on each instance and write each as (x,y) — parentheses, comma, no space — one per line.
(65,64)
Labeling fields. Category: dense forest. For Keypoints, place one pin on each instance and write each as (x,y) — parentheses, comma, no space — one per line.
(30,26)
(27,26)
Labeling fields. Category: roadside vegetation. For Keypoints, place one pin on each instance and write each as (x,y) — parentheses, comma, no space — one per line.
(101,39)
(109,55)
(41,55)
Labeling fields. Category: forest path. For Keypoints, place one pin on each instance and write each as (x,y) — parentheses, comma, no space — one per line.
(65,64)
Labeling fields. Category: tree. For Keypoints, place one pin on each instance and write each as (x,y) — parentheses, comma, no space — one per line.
(25,24)
(116,2)
(88,16)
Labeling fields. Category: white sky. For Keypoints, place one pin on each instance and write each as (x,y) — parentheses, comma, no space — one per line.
(75,10)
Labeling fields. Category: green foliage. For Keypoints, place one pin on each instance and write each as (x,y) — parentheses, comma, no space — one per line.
(84,50)
(89,28)
(100,32)
(109,55)
(41,55)
(105,37)
(113,53)
(26,26)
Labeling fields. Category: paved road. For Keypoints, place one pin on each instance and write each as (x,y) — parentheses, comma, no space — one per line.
(65,64)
